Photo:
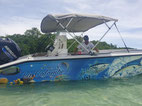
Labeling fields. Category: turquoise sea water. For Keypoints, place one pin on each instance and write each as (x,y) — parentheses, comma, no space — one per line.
(112,92)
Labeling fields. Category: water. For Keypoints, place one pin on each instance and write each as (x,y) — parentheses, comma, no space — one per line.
(122,92)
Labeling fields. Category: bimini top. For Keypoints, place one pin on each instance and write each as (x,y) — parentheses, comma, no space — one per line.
(72,22)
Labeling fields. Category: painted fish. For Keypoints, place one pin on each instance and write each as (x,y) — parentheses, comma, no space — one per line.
(61,78)
(97,68)
(128,71)
(94,69)
(123,62)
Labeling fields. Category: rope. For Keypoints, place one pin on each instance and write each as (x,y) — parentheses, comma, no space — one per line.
(42,42)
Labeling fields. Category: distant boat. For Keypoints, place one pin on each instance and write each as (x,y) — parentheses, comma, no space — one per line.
(58,65)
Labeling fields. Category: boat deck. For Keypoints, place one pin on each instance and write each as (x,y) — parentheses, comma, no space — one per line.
(101,54)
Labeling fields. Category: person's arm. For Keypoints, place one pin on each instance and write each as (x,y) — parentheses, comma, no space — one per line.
(97,50)
(75,50)
(78,50)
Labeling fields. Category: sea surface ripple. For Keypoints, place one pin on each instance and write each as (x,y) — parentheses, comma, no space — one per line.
(112,92)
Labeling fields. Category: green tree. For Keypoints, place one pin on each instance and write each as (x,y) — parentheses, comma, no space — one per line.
(33,41)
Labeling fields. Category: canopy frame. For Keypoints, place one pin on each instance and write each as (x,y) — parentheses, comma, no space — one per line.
(77,22)
(109,28)
(65,28)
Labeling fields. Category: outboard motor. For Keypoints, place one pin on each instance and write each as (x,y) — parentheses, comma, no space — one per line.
(9,50)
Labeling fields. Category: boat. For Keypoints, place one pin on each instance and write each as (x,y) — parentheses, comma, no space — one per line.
(58,65)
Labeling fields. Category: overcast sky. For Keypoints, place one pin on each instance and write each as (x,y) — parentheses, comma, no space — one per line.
(16,16)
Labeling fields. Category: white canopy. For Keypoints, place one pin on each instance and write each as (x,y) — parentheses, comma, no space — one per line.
(77,22)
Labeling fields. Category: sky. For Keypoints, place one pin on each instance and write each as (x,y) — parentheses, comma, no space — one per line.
(16,16)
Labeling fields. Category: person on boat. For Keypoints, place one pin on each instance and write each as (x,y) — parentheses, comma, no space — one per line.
(88,45)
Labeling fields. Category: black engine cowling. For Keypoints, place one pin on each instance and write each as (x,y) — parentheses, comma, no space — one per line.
(9,50)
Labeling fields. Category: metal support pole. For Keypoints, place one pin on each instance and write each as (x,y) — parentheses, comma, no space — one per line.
(106,24)
(70,34)
(122,38)
(103,35)
(74,41)
(69,22)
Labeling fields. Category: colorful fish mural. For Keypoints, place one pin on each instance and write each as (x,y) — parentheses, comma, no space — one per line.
(72,69)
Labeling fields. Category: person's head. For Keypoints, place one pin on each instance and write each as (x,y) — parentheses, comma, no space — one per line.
(86,38)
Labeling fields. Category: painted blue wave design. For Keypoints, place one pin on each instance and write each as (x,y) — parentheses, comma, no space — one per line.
(78,69)
(131,68)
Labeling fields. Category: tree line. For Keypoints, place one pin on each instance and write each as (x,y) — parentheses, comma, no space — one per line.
(33,41)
